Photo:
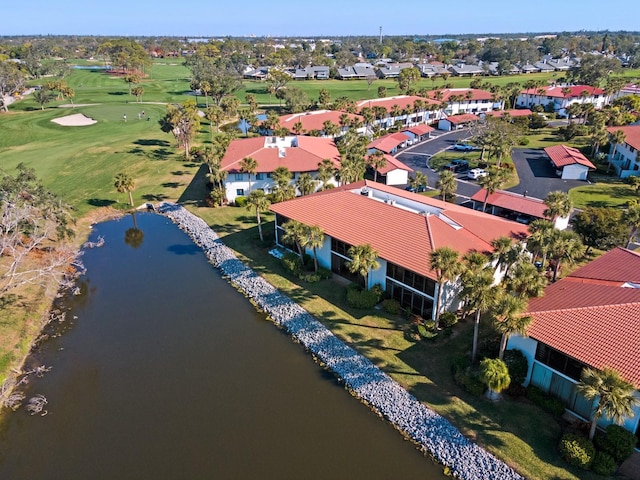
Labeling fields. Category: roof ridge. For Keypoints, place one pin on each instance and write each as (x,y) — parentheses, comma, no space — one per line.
(587,307)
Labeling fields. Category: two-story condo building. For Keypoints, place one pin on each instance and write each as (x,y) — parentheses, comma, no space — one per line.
(624,156)
(560,97)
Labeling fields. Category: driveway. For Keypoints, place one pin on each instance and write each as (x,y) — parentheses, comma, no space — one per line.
(537,175)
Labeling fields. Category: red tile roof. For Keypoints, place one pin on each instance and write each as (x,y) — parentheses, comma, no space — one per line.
(517,112)
(401,236)
(393,164)
(512,201)
(314,120)
(475,94)
(420,129)
(631,133)
(462,118)
(561,156)
(388,142)
(574,91)
(402,101)
(303,158)
(591,317)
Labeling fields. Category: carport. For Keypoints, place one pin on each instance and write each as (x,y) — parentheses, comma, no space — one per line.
(569,162)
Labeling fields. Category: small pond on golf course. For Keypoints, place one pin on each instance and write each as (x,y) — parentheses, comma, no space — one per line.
(163,370)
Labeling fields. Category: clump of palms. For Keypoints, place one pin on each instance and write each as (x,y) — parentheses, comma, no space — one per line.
(494,373)
(363,259)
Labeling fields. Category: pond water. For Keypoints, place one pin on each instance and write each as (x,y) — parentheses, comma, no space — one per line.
(163,370)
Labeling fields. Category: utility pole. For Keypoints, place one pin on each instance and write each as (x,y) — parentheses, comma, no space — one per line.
(380,34)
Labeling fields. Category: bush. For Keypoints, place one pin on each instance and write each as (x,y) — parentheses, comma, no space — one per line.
(517,364)
(430,325)
(448,319)
(523,141)
(604,464)
(577,451)
(553,405)
(617,442)
(324,273)
(291,263)
(241,201)
(362,299)
(391,306)
(310,277)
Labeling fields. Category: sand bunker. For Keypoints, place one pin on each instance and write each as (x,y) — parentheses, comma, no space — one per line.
(76,120)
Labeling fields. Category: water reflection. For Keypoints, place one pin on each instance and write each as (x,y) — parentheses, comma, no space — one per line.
(134,236)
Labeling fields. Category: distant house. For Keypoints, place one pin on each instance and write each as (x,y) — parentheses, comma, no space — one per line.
(359,71)
(392,70)
(516,207)
(569,162)
(456,122)
(418,133)
(432,69)
(590,318)
(630,89)
(314,121)
(624,157)
(299,154)
(311,73)
(466,100)
(463,70)
(259,73)
(560,97)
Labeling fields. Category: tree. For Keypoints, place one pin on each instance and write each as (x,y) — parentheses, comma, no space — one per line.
(124,183)
(296,99)
(34,227)
(418,181)
(525,280)
(407,78)
(314,239)
(600,227)
(12,81)
(494,373)
(363,258)
(324,98)
(258,201)
(508,318)
(294,232)
(43,96)
(447,184)
(138,91)
(492,182)
(306,184)
(558,205)
(564,245)
(478,294)
(132,79)
(615,396)
(282,190)
(376,161)
(326,171)
(593,70)
(616,138)
(277,79)
(505,253)
(182,121)
(382,91)
(249,166)
(631,218)
(445,262)
(214,114)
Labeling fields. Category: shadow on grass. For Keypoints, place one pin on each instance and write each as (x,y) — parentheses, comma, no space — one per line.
(117,93)
(100,202)
(154,197)
(152,143)
(196,192)
(172,184)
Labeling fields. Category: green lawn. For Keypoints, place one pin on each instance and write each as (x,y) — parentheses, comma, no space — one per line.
(514,430)
(610,194)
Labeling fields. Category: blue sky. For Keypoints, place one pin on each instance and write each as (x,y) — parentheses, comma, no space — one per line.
(317,17)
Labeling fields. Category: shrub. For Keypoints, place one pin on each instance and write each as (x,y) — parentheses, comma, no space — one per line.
(467,377)
(324,273)
(391,306)
(362,299)
(553,405)
(448,319)
(523,141)
(517,364)
(430,325)
(617,442)
(241,201)
(291,263)
(604,464)
(577,451)
(310,277)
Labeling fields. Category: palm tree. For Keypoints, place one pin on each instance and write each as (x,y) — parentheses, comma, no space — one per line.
(615,395)
(326,171)
(616,138)
(124,183)
(249,166)
(558,205)
(294,232)
(495,375)
(564,245)
(258,200)
(540,232)
(508,318)
(306,184)
(505,253)
(447,184)
(478,294)
(314,239)
(444,261)
(363,259)
(631,216)
(492,182)
(526,281)
(377,161)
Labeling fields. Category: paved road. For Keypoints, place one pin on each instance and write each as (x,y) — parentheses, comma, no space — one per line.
(537,175)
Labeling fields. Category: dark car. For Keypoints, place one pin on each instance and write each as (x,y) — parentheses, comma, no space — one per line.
(457,166)
(420,188)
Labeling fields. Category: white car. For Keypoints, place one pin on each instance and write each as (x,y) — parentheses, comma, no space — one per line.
(476,173)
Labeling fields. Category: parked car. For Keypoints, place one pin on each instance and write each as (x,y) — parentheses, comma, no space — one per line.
(463,147)
(457,166)
(420,188)
(476,173)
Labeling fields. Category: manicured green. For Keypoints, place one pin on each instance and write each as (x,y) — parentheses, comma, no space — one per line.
(615,193)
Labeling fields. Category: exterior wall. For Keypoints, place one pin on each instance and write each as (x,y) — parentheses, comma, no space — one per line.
(625,160)
(562,223)
(397,177)
(528,348)
(379,275)
(559,104)
(445,125)
(232,185)
(471,106)
(575,172)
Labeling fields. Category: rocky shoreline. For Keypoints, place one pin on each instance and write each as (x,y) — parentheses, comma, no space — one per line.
(435,434)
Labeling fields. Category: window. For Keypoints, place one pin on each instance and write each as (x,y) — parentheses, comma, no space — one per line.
(339,247)
(238,176)
(411,279)
(259,176)
(559,361)
(240,192)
